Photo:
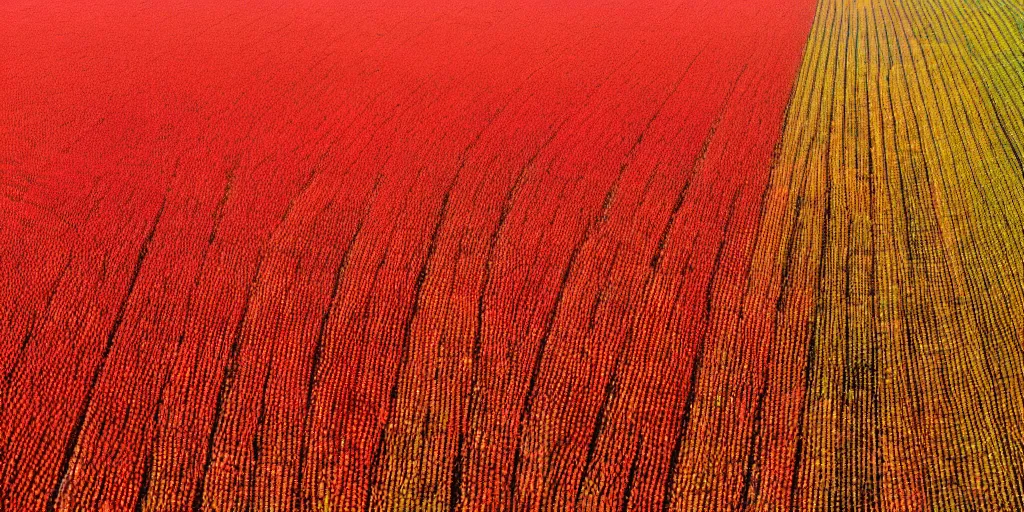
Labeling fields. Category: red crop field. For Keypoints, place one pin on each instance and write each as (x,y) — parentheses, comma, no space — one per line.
(511,255)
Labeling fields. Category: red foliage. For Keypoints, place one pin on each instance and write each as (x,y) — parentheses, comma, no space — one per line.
(387,256)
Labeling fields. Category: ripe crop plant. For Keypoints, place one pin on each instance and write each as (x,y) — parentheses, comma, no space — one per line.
(511,255)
